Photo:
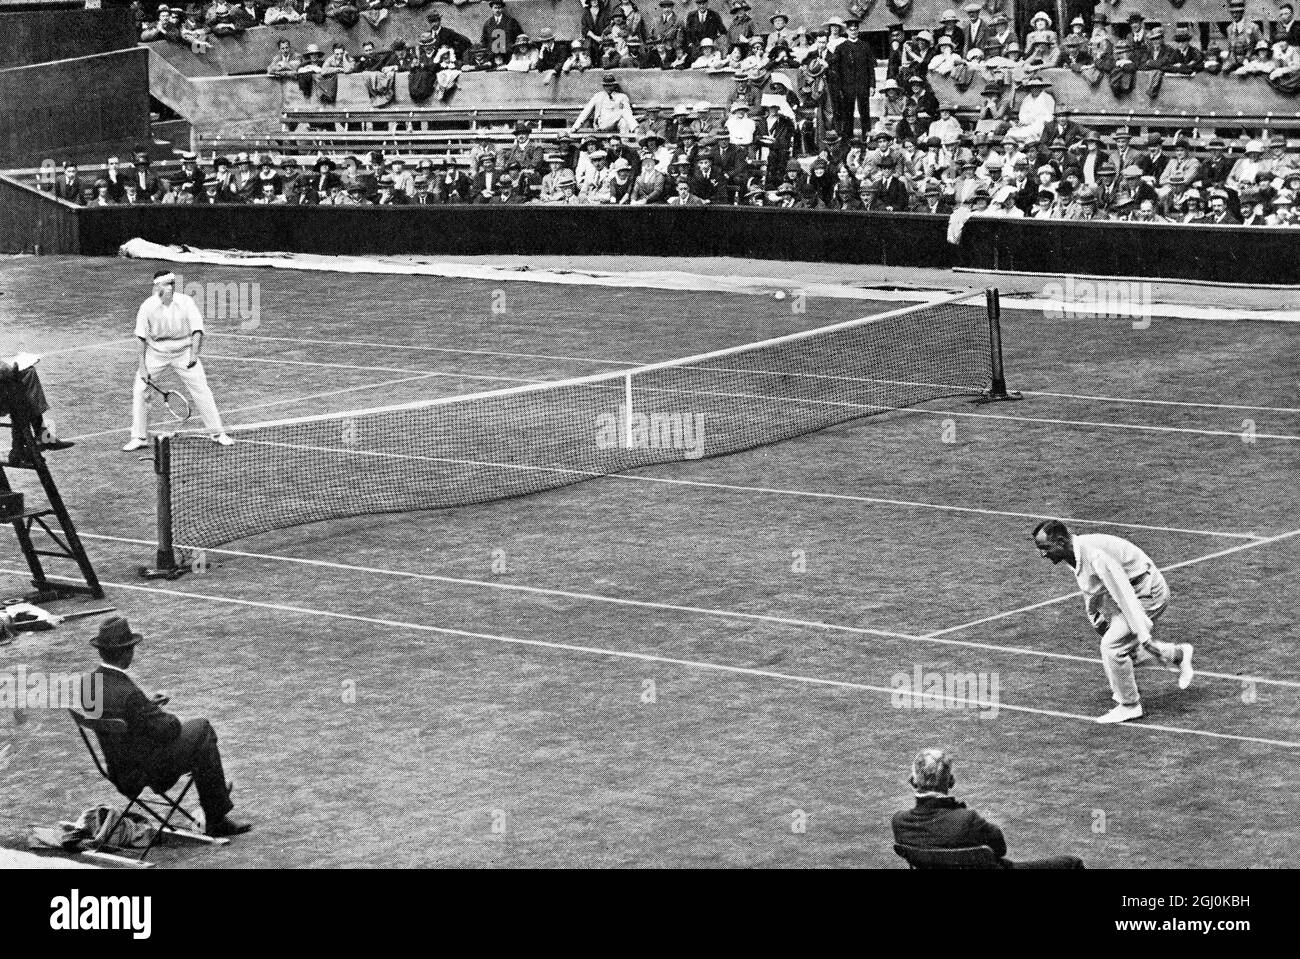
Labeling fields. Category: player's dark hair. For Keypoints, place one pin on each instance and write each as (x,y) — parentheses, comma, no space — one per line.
(1053,529)
(161,273)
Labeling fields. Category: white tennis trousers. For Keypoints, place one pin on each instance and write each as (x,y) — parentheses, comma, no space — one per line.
(195,381)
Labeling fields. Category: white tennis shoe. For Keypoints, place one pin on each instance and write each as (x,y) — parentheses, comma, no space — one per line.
(223,439)
(1185,671)
(1122,714)
(135,443)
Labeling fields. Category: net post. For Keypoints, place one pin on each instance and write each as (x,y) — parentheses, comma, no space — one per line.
(997,391)
(166,566)
(627,409)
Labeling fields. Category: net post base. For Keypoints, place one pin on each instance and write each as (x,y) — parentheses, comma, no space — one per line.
(166,568)
(998,396)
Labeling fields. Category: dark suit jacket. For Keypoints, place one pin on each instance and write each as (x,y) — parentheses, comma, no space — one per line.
(131,757)
(942,822)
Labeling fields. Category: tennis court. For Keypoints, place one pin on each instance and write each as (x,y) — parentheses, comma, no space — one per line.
(691,664)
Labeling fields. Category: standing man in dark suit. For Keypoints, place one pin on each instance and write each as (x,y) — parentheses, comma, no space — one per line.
(69,188)
(447,37)
(894,193)
(500,31)
(146,182)
(977,32)
(938,821)
(701,23)
(158,748)
(852,79)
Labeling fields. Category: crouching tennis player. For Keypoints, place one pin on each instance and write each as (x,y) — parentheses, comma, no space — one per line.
(170,329)
(1123,593)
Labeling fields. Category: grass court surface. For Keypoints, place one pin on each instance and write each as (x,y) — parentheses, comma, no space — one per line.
(389,689)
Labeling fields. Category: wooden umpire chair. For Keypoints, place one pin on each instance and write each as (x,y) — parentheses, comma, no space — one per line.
(107,728)
(974,857)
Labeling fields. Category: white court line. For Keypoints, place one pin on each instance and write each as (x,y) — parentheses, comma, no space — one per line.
(668,660)
(650,604)
(635,363)
(1060,599)
(288,402)
(634,478)
(365,369)
(431,349)
(1110,426)
(84,346)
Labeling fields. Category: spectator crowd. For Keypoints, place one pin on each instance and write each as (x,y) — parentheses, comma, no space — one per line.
(617,34)
(687,156)
(797,129)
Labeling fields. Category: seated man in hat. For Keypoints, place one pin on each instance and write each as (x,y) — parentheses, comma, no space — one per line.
(610,109)
(1155,54)
(21,391)
(157,748)
(938,821)
(1184,58)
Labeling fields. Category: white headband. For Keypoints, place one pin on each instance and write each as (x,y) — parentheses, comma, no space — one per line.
(164,279)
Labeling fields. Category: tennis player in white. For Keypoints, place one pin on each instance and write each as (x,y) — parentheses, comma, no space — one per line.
(1123,593)
(170,329)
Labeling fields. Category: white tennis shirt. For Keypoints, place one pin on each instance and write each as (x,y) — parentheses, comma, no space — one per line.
(1109,564)
(167,328)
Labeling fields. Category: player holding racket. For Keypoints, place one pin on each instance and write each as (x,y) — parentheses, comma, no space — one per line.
(170,329)
(1123,593)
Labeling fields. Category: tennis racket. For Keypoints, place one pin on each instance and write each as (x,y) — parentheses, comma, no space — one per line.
(177,405)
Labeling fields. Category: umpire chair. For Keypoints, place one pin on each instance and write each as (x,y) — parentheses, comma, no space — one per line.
(164,809)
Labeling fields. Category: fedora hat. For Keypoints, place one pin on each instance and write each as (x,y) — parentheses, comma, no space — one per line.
(115,633)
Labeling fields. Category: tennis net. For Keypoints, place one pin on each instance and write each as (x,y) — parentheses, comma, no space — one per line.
(486,446)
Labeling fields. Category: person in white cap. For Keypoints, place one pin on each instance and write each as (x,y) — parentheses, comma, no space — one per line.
(170,329)
(1246,170)
(1123,594)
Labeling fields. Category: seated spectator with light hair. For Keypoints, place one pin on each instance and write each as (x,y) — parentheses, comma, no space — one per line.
(939,821)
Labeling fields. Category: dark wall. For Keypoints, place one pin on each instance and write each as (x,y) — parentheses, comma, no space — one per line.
(45,35)
(75,109)
(29,220)
(1247,254)
(1259,255)
(533,229)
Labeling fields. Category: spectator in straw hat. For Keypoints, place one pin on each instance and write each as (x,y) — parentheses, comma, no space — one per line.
(523,57)
(780,34)
(1246,170)
(651,184)
(949,27)
(741,27)
(550,185)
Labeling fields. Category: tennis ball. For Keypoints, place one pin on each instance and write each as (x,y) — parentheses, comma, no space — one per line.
(779,294)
